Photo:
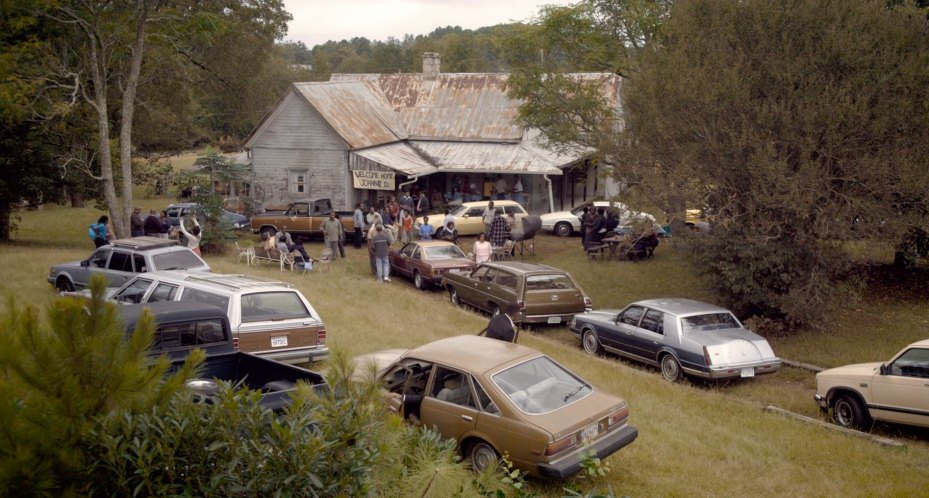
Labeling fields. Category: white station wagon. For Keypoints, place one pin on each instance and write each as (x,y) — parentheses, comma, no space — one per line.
(895,391)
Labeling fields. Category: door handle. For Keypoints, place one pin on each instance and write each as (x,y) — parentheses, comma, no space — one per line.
(467,418)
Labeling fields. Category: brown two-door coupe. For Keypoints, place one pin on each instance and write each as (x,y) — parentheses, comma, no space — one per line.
(495,397)
(425,261)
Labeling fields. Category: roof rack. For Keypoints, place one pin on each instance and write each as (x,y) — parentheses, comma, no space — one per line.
(144,243)
(236,281)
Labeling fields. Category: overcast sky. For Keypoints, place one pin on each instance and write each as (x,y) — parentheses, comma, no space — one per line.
(317,21)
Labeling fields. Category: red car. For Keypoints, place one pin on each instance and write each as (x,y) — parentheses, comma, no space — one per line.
(425,261)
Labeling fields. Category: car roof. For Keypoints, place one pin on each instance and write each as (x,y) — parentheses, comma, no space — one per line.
(170,311)
(681,306)
(183,205)
(500,202)
(920,344)
(472,353)
(144,243)
(229,282)
(521,267)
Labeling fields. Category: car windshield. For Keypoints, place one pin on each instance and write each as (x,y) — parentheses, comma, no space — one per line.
(176,260)
(540,385)
(443,252)
(709,321)
(459,211)
(266,306)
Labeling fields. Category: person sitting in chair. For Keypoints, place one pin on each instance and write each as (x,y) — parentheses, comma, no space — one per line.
(448,232)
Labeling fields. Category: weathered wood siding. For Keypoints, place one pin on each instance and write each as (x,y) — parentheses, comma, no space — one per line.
(297,140)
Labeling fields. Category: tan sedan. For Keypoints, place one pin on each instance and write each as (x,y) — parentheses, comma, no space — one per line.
(495,397)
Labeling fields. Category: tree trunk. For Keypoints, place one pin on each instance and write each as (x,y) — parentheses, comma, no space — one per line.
(77,199)
(128,108)
(5,212)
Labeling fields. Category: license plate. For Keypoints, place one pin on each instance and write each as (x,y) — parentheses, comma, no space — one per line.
(554,319)
(748,372)
(590,432)
(277,342)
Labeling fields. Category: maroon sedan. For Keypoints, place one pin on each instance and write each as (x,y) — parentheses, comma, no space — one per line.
(425,261)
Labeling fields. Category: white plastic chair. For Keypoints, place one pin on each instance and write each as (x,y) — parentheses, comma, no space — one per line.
(248,253)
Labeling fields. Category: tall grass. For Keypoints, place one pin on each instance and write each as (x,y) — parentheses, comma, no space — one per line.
(695,439)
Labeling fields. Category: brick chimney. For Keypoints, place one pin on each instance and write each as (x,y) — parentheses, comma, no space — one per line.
(431,61)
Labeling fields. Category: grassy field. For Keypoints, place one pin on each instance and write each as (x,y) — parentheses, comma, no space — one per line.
(696,439)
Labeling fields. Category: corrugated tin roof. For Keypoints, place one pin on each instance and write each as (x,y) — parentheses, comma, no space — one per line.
(357,111)
(465,106)
(399,156)
(490,157)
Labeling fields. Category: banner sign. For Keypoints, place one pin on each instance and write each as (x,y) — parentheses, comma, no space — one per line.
(373,180)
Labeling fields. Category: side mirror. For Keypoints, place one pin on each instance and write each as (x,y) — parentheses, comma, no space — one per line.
(85,263)
(885,369)
(466,215)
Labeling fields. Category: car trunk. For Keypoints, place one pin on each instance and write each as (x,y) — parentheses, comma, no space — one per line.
(733,346)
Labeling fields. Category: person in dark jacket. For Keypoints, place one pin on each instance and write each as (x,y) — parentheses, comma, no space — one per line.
(502,326)
(152,224)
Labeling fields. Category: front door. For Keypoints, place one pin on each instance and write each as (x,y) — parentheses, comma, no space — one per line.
(902,394)
(450,405)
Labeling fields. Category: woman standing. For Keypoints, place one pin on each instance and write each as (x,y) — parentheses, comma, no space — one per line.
(193,237)
(482,250)
(98,231)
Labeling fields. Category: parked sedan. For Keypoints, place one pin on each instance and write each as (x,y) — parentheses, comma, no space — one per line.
(543,294)
(469,216)
(122,260)
(681,336)
(425,261)
(177,211)
(895,391)
(495,397)
(565,223)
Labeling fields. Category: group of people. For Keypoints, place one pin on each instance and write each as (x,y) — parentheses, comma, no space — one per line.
(152,226)
(597,224)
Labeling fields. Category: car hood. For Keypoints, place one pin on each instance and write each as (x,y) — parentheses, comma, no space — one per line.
(557,215)
(604,315)
(69,264)
(380,359)
(856,370)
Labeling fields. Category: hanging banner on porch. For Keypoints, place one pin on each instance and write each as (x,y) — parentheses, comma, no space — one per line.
(373,180)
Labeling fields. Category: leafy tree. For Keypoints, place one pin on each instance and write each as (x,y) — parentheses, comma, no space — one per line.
(58,376)
(802,124)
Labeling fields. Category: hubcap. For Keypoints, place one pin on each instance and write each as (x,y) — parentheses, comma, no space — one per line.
(590,342)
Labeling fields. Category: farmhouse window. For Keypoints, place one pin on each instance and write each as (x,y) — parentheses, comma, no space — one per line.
(298,181)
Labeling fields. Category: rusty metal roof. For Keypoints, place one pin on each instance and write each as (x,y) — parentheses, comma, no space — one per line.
(400,156)
(357,111)
(474,157)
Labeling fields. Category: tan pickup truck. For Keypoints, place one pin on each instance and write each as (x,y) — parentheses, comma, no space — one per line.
(302,218)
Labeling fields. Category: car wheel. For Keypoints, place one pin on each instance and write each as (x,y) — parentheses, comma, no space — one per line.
(453,296)
(64,285)
(483,456)
(848,412)
(670,368)
(418,281)
(591,342)
(563,229)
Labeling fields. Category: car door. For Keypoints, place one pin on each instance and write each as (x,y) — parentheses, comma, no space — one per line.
(476,291)
(400,260)
(119,268)
(95,264)
(648,337)
(134,292)
(405,383)
(471,222)
(450,405)
(626,325)
(901,393)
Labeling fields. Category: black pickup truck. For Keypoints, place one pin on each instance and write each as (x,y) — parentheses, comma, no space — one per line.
(183,326)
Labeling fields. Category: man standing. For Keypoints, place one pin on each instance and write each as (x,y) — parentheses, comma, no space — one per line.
(500,188)
(332,229)
(488,218)
(137,224)
(380,246)
(422,205)
(518,191)
(358,218)
(502,326)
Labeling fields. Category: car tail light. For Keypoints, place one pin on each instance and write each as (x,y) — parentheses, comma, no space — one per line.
(235,343)
(561,445)
(706,356)
(618,417)
(522,305)
(321,337)
(588,304)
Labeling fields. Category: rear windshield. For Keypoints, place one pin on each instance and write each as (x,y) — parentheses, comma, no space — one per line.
(548,282)
(709,321)
(444,252)
(176,260)
(540,385)
(266,306)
